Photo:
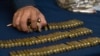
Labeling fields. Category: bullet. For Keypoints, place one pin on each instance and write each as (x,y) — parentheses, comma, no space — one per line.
(71,45)
(13,53)
(58,48)
(45,38)
(5,44)
(39,26)
(46,28)
(1,44)
(30,29)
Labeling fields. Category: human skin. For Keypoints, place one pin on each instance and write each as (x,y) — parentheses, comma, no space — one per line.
(22,15)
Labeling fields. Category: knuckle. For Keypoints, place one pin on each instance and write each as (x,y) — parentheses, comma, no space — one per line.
(33,20)
(22,21)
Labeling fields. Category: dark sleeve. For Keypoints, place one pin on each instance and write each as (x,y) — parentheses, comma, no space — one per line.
(21,3)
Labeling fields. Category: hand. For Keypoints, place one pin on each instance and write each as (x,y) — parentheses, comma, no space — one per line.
(23,15)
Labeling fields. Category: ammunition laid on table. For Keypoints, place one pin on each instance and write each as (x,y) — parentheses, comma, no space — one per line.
(54,26)
(58,48)
(79,32)
(64,25)
(45,38)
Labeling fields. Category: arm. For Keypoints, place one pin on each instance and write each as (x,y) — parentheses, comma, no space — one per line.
(22,3)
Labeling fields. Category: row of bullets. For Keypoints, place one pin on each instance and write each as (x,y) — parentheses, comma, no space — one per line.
(58,48)
(55,26)
(45,38)
(64,25)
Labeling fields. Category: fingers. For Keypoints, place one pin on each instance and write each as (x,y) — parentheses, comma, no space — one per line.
(22,16)
(16,20)
(33,18)
(42,19)
(20,20)
(37,25)
(23,21)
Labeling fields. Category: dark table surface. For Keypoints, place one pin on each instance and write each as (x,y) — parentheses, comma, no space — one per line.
(53,13)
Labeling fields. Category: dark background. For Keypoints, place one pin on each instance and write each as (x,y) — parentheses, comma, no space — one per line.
(53,13)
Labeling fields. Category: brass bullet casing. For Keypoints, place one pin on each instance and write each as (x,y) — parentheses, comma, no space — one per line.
(37,52)
(50,49)
(65,34)
(58,48)
(93,41)
(79,31)
(85,43)
(33,40)
(8,44)
(71,45)
(21,53)
(25,52)
(39,26)
(82,43)
(57,36)
(38,41)
(45,38)
(74,45)
(97,40)
(1,44)
(44,51)
(62,47)
(46,28)
(28,42)
(32,52)
(11,43)
(30,29)
(50,26)
(14,44)
(24,41)
(13,53)
(64,25)
(55,49)
(77,44)
(5,44)
(54,26)
(49,39)
(67,47)
(88,44)
(18,43)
